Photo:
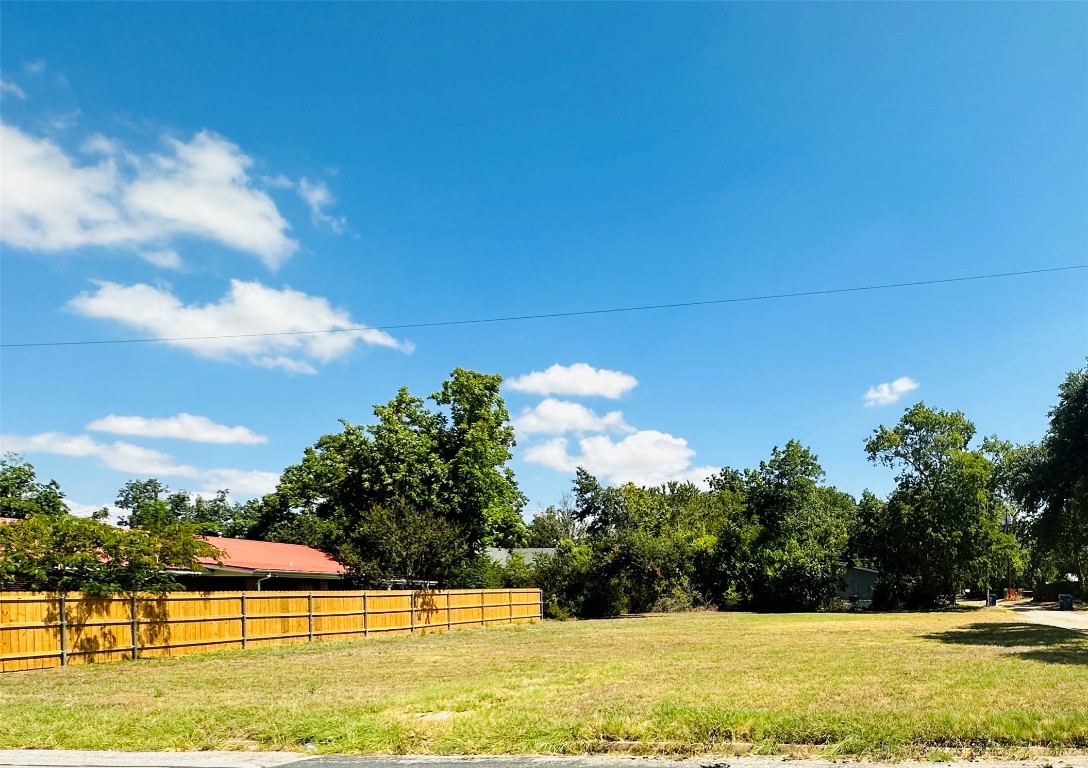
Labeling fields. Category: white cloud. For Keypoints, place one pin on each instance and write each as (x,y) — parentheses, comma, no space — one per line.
(279,181)
(241,482)
(578,379)
(318,197)
(889,392)
(12,88)
(184,426)
(82,510)
(142,462)
(35,67)
(554,417)
(97,144)
(63,121)
(119,456)
(248,309)
(51,202)
(166,259)
(647,457)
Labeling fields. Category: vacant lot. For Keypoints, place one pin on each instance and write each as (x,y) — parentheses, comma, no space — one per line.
(879,685)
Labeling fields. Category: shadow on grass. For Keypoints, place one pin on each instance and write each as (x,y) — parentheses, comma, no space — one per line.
(1028,641)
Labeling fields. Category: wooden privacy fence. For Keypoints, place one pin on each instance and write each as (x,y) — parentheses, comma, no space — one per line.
(39,630)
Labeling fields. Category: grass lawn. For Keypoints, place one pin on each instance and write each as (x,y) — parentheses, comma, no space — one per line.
(877,685)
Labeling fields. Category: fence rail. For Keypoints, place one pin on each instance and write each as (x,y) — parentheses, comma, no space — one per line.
(40,630)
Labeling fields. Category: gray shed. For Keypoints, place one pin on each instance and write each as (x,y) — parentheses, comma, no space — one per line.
(859,585)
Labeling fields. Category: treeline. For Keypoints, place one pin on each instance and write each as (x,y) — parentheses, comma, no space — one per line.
(419,495)
(965,514)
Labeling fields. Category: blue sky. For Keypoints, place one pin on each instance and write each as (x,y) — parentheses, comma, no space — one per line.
(200,169)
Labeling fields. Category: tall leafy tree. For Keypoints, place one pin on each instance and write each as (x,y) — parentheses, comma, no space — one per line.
(939,528)
(554,524)
(802,534)
(475,446)
(403,543)
(449,461)
(21,494)
(1051,480)
(152,506)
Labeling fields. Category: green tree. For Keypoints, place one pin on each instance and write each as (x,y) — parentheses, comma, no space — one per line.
(22,495)
(400,543)
(449,462)
(550,526)
(152,506)
(147,508)
(1051,481)
(64,553)
(802,535)
(939,529)
(601,509)
(475,446)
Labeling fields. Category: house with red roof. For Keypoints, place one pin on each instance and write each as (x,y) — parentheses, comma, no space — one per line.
(245,564)
(252,565)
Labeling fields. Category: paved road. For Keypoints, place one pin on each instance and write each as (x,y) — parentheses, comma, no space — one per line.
(1075,620)
(47,758)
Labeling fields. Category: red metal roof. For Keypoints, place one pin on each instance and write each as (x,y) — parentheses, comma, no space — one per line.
(249,555)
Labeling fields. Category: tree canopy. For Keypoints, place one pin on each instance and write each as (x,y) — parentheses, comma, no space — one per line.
(939,531)
(446,463)
(22,495)
(65,553)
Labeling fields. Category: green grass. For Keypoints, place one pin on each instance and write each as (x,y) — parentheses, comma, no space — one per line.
(878,685)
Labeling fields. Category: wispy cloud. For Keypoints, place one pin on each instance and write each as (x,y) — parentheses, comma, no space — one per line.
(184,426)
(137,461)
(889,392)
(167,258)
(580,379)
(119,456)
(251,314)
(12,88)
(318,198)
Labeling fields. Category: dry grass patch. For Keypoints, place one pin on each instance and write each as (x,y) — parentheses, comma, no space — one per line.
(887,685)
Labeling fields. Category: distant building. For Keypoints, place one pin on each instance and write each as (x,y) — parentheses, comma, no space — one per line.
(255,565)
(859,583)
(247,565)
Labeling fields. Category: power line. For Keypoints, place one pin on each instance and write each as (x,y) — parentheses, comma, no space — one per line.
(554,315)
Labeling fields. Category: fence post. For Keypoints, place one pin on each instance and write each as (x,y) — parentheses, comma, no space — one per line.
(64,629)
(244,620)
(540,604)
(449,619)
(135,617)
(510,600)
(310,617)
(366,621)
(412,615)
(483,610)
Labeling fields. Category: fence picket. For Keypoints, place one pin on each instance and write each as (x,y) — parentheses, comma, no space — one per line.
(40,630)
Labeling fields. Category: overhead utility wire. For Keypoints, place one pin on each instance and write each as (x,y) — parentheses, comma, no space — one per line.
(552,315)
